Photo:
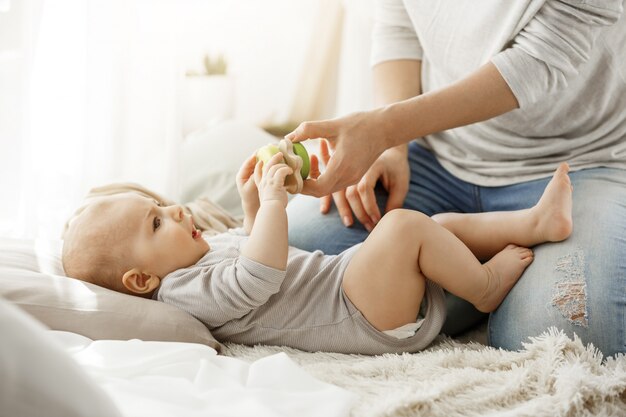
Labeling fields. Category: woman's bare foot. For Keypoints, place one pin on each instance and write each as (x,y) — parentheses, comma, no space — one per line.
(553,212)
(503,271)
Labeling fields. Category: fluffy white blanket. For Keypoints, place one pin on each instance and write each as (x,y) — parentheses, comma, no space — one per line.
(552,376)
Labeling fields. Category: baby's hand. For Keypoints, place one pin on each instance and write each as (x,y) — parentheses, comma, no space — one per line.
(247,187)
(270,179)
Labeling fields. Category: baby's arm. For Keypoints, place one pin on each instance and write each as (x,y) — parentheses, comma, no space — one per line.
(227,287)
(268,242)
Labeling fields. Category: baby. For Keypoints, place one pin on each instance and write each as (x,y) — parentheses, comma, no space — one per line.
(249,286)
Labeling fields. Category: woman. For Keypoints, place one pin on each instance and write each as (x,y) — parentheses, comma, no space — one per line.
(479,103)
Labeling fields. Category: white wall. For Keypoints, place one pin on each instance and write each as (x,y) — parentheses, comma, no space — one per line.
(90,90)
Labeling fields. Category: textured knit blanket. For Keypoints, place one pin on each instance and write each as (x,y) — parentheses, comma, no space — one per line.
(552,376)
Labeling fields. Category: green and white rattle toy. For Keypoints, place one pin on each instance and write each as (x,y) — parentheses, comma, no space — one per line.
(295,156)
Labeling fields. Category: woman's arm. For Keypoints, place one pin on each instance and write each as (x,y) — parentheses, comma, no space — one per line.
(396,81)
(482,95)
(544,57)
(360,138)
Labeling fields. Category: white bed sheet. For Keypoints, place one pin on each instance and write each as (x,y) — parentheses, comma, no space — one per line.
(185,379)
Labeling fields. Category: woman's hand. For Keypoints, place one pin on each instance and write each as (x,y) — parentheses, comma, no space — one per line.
(391,168)
(357,141)
(270,179)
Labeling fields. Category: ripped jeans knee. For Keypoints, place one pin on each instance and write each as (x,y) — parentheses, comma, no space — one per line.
(570,290)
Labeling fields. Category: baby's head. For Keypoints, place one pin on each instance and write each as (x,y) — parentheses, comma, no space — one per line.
(128,243)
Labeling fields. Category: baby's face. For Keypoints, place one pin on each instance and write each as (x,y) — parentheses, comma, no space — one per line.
(160,239)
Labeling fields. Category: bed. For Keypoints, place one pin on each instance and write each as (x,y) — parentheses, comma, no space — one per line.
(70,348)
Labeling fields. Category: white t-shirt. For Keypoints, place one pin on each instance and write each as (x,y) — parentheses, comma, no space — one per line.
(565,61)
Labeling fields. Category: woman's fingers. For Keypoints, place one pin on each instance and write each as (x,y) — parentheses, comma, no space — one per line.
(316,186)
(311,130)
(314,170)
(352,194)
(397,195)
(337,176)
(367,195)
(356,140)
(339,197)
(343,208)
(325,202)
(324,151)
(367,198)
(314,173)
(325,130)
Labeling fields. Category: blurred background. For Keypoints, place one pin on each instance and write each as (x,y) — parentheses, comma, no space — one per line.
(100,91)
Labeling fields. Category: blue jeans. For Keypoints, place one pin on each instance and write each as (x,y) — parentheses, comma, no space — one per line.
(578,285)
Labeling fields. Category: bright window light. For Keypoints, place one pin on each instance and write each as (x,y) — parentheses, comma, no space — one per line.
(5,5)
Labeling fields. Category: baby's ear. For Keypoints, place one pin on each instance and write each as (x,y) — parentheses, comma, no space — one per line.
(140,282)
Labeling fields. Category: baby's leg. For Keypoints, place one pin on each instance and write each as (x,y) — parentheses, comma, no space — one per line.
(385,279)
(550,220)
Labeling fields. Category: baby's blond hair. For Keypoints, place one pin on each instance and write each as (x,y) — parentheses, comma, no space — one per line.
(95,250)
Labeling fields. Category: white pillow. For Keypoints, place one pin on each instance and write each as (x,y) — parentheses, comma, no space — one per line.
(211,158)
(32,277)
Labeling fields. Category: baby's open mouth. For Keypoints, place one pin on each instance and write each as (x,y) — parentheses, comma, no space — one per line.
(195,233)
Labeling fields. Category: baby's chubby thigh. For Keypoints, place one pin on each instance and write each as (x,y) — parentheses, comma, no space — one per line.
(382,279)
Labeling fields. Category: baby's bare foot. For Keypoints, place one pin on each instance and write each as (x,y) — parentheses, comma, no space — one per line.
(554,209)
(503,271)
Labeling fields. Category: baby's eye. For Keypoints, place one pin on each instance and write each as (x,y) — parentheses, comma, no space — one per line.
(156,223)
(158,203)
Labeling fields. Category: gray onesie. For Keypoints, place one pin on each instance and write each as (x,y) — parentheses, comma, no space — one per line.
(304,307)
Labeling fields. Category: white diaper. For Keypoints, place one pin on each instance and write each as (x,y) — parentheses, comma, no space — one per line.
(406,331)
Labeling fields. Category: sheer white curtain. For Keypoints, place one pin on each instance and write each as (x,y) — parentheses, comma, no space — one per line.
(98,103)
(90,90)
